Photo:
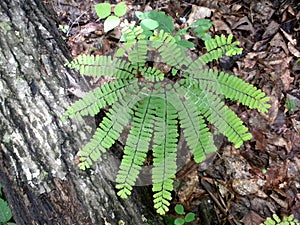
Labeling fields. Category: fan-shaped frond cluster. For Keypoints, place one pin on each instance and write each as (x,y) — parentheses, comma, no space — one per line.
(141,95)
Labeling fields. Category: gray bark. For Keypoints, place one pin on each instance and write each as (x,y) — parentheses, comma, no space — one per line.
(38,167)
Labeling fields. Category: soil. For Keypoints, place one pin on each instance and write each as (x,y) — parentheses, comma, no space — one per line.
(261,178)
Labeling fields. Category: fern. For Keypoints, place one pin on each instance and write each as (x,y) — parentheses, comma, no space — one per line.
(164,152)
(275,220)
(155,107)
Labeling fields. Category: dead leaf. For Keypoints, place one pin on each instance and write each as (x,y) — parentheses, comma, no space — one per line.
(296,125)
(244,24)
(286,79)
(289,37)
(252,218)
(199,12)
(248,186)
(271,30)
(264,9)
(221,25)
(280,142)
(277,41)
(293,50)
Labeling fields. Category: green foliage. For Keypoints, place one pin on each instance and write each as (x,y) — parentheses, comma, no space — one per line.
(103,10)
(199,27)
(182,219)
(291,104)
(156,20)
(144,97)
(5,212)
(275,220)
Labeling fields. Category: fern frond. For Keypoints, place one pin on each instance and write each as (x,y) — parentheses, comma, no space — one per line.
(137,146)
(102,66)
(227,85)
(217,113)
(97,99)
(194,128)
(164,153)
(218,46)
(170,51)
(138,54)
(152,74)
(235,88)
(204,78)
(109,129)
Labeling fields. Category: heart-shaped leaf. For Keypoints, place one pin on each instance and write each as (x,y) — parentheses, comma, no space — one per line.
(103,10)
(5,213)
(120,9)
(111,22)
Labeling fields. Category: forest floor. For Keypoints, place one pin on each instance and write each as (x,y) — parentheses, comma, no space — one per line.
(261,178)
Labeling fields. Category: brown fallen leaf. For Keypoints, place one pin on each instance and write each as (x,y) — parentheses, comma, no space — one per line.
(243,24)
(248,186)
(199,12)
(286,79)
(221,25)
(252,218)
(271,29)
(277,41)
(294,51)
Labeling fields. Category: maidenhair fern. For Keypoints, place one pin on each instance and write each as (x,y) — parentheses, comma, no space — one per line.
(275,220)
(156,104)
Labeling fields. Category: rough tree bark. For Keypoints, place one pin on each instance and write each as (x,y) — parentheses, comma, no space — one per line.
(38,153)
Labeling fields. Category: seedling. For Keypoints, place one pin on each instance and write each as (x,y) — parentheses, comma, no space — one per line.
(5,212)
(112,19)
(275,220)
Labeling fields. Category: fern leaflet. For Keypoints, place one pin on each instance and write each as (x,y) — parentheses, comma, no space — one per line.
(164,153)
(136,148)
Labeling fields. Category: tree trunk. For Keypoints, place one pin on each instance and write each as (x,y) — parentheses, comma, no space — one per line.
(38,167)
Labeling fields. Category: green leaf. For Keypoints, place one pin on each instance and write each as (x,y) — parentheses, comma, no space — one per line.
(5,212)
(182,31)
(120,52)
(120,9)
(190,217)
(111,22)
(186,44)
(179,221)
(141,15)
(276,218)
(165,22)
(179,209)
(149,24)
(103,10)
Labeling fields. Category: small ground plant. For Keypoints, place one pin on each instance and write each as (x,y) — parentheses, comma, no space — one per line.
(286,220)
(5,212)
(112,19)
(157,103)
(183,217)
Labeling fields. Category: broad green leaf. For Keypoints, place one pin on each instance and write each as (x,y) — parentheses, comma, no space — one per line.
(103,10)
(165,22)
(190,217)
(179,221)
(111,22)
(141,15)
(179,209)
(120,9)
(149,24)
(5,212)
